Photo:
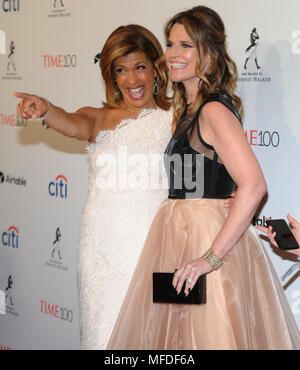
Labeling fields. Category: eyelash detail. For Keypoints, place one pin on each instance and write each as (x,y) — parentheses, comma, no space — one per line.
(140,67)
(187,45)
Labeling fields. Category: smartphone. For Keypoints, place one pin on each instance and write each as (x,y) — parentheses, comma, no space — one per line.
(284,237)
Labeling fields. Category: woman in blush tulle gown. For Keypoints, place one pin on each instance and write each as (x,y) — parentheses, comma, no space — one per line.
(127,137)
(192,232)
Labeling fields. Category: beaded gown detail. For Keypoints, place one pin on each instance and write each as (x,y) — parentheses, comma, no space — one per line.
(245,309)
(126,186)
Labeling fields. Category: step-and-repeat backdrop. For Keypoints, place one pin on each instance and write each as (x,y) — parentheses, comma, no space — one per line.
(47,47)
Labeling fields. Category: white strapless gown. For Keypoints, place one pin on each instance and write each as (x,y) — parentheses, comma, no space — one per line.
(125,191)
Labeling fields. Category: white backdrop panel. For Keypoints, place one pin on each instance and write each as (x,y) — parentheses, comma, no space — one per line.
(53,51)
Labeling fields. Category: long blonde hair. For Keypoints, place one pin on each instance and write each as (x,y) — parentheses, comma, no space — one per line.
(123,41)
(207,31)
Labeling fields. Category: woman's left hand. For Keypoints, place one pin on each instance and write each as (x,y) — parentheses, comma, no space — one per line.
(190,273)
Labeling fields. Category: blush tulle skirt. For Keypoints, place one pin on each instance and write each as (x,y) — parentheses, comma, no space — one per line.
(246,306)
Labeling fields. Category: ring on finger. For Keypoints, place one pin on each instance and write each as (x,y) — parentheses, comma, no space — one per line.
(189,280)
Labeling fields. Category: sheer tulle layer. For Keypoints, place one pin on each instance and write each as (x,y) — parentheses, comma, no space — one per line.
(246,307)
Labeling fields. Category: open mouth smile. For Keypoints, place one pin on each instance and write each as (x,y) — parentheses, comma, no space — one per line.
(136,93)
(177,66)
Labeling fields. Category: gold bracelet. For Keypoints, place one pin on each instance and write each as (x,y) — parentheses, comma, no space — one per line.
(214,261)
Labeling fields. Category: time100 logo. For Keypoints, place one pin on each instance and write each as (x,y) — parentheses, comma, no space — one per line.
(263,138)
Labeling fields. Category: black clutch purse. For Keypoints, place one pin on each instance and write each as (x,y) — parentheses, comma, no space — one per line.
(163,291)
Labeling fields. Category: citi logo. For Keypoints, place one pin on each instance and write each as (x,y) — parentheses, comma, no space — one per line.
(11,5)
(10,238)
(59,187)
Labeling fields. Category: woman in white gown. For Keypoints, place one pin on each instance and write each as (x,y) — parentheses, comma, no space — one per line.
(127,138)
(115,221)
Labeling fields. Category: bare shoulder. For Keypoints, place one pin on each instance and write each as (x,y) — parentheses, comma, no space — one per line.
(103,118)
(92,113)
(92,117)
(215,113)
(217,122)
(109,118)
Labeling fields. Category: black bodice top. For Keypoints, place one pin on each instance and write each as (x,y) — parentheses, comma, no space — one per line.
(193,167)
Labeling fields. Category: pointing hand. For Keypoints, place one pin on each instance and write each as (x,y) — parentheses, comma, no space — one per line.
(31,106)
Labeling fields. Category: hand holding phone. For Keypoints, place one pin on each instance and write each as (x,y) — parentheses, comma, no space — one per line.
(284,236)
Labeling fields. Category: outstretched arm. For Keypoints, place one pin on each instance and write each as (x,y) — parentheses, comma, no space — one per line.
(77,125)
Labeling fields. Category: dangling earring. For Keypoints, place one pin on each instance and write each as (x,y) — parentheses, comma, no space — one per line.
(155,86)
(118,92)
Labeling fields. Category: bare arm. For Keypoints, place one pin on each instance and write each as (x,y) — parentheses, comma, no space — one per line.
(222,130)
(77,125)
(225,133)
